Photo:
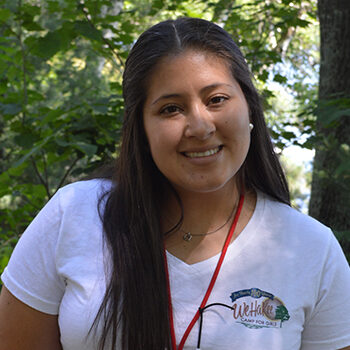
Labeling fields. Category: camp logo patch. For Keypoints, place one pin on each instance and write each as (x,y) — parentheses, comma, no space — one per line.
(255,308)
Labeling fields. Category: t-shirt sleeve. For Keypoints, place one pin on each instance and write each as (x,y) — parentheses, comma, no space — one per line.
(328,326)
(31,275)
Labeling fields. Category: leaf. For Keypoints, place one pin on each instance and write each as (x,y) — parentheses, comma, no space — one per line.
(301,22)
(33,151)
(29,9)
(327,115)
(54,41)
(5,253)
(280,78)
(88,30)
(100,108)
(18,171)
(157,4)
(52,115)
(60,142)
(5,183)
(288,135)
(343,168)
(126,38)
(5,14)
(35,96)
(127,27)
(264,75)
(32,26)
(24,139)
(53,6)
(86,148)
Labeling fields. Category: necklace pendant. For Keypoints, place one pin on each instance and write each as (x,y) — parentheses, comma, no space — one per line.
(187,236)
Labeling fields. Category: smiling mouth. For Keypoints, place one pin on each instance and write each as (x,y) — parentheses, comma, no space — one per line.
(207,153)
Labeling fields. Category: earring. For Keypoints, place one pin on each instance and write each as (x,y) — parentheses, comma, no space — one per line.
(251,126)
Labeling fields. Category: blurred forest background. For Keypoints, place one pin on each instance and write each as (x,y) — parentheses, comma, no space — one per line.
(61,63)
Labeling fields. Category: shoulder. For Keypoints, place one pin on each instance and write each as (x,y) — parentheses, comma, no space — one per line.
(283,216)
(84,190)
(74,204)
(295,231)
(82,195)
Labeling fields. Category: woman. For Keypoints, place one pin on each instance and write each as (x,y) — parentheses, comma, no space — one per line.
(192,243)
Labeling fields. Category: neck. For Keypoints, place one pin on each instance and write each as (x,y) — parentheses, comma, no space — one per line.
(202,212)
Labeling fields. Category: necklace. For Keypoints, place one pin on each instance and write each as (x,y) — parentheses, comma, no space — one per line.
(210,287)
(188,235)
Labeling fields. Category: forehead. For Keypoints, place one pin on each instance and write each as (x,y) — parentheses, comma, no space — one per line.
(191,57)
(187,66)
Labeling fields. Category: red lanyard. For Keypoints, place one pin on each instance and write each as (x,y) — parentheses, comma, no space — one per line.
(211,284)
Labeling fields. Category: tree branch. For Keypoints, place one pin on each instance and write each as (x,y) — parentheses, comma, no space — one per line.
(66,174)
(86,14)
(26,199)
(45,168)
(24,70)
(42,180)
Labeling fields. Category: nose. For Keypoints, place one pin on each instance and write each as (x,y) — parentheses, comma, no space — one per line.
(200,123)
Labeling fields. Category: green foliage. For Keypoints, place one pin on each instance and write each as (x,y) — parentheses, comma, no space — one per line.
(333,114)
(60,108)
(332,110)
(333,143)
(299,181)
(60,83)
(344,239)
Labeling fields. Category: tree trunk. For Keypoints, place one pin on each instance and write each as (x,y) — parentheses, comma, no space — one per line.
(330,193)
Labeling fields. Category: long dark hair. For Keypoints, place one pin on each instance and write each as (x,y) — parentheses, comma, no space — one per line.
(136,296)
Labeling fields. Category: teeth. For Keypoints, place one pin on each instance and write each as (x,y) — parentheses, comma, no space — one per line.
(202,154)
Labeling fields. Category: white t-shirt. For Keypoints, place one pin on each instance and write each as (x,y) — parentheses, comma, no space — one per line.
(284,278)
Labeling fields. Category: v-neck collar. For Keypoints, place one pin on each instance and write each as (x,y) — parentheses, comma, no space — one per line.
(234,249)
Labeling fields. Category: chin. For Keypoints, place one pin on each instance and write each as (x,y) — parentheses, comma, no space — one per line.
(207,186)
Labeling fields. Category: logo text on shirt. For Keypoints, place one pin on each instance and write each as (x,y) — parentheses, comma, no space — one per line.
(255,308)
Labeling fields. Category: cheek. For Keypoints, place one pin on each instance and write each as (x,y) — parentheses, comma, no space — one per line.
(156,148)
(236,127)
(237,116)
(151,134)
(236,133)
(162,139)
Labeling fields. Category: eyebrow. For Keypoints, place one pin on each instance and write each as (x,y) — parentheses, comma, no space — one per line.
(203,90)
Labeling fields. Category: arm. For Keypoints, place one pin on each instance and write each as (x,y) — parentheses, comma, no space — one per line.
(24,328)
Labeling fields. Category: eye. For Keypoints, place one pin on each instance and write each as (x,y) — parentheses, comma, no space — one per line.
(217,100)
(170,109)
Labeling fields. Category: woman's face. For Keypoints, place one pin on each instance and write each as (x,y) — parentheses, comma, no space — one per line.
(197,122)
